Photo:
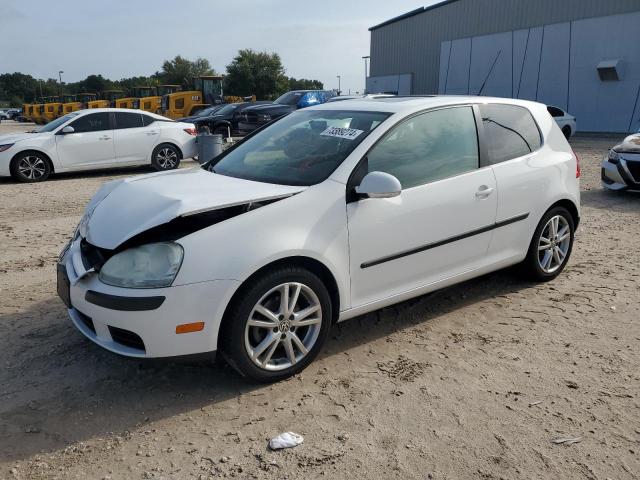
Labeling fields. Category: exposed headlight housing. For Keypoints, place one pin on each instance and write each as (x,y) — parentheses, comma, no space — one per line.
(6,146)
(153,265)
(614,156)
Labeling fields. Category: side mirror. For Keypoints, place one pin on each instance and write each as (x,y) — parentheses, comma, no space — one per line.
(379,185)
(67,130)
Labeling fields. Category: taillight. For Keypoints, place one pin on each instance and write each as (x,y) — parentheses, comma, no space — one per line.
(190,131)
(577,163)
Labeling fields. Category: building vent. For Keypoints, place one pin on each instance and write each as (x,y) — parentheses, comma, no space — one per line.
(608,70)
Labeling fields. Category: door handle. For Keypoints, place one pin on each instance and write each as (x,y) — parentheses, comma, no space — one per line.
(104,138)
(484,191)
(151,133)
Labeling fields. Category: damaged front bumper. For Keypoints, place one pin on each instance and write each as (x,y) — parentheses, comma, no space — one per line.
(141,322)
(621,174)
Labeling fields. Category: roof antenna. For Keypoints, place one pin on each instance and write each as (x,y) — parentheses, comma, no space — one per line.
(490,70)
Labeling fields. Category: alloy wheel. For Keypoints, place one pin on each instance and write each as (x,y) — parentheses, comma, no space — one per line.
(283,326)
(32,167)
(554,243)
(167,158)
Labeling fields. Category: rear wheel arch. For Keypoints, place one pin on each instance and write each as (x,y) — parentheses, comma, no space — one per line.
(570,206)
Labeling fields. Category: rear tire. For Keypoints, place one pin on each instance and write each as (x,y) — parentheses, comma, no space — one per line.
(267,339)
(166,157)
(30,167)
(566,130)
(550,246)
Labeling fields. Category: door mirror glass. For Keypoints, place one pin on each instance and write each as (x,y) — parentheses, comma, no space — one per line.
(379,185)
(67,130)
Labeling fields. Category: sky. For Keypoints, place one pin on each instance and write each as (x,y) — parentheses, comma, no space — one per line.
(118,38)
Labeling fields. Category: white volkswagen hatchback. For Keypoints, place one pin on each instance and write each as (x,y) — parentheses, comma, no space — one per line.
(328,213)
(96,138)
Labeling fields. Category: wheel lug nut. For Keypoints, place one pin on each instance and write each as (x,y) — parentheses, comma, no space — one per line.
(292,329)
(280,317)
(283,336)
(291,317)
(275,329)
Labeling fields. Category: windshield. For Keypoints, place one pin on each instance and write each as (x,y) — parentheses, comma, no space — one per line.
(303,148)
(205,112)
(289,98)
(226,109)
(56,123)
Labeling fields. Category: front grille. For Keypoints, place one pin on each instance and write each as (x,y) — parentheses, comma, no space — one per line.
(86,320)
(634,169)
(126,338)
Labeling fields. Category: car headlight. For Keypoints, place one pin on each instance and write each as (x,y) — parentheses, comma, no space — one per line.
(148,266)
(6,146)
(614,156)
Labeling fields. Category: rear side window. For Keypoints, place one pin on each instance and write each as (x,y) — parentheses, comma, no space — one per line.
(555,112)
(128,120)
(94,122)
(510,131)
(147,120)
(428,147)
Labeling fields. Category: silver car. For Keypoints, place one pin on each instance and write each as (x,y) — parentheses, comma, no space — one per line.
(621,167)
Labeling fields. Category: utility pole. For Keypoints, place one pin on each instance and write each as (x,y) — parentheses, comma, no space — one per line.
(339,85)
(60,72)
(366,73)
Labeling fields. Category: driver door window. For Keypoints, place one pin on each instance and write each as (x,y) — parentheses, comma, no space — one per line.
(94,122)
(428,147)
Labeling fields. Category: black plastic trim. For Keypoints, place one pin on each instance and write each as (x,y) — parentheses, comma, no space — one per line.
(440,243)
(125,304)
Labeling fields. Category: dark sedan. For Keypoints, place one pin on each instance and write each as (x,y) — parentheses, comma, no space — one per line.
(226,118)
(256,116)
(205,112)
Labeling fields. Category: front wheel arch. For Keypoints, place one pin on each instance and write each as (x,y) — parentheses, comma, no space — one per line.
(308,263)
(39,152)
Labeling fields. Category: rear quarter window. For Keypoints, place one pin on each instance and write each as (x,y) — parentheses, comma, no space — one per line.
(510,132)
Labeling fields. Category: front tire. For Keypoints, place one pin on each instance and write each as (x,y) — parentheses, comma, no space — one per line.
(277,324)
(166,157)
(551,246)
(30,167)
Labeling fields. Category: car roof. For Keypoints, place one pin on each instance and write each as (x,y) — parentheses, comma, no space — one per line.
(409,104)
(130,110)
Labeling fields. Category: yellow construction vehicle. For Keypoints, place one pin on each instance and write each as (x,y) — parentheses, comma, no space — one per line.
(38,112)
(108,98)
(153,102)
(77,101)
(207,90)
(52,108)
(26,111)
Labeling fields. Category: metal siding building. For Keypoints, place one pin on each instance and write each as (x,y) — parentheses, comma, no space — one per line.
(544,50)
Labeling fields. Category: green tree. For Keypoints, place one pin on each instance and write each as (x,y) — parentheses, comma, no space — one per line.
(304,84)
(180,70)
(256,73)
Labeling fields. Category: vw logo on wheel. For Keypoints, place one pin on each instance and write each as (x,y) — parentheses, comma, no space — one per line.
(284,326)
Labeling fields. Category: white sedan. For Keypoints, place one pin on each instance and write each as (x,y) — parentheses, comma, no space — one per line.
(330,212)
(565,121)
(96,138)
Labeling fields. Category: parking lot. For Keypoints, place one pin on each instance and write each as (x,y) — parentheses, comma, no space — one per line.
(474,381)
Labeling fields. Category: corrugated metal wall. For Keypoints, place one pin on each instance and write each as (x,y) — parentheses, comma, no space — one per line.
(412,45)
(554,64)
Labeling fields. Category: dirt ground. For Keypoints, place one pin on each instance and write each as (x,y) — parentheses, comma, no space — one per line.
(475,381)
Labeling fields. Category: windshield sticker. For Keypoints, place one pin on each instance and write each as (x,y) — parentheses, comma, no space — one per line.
(339,132)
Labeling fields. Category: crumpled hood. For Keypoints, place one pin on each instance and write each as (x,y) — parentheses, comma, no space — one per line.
(631,144)
(122,209)
(17,137)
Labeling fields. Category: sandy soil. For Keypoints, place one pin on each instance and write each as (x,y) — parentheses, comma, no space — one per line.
(475,381)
